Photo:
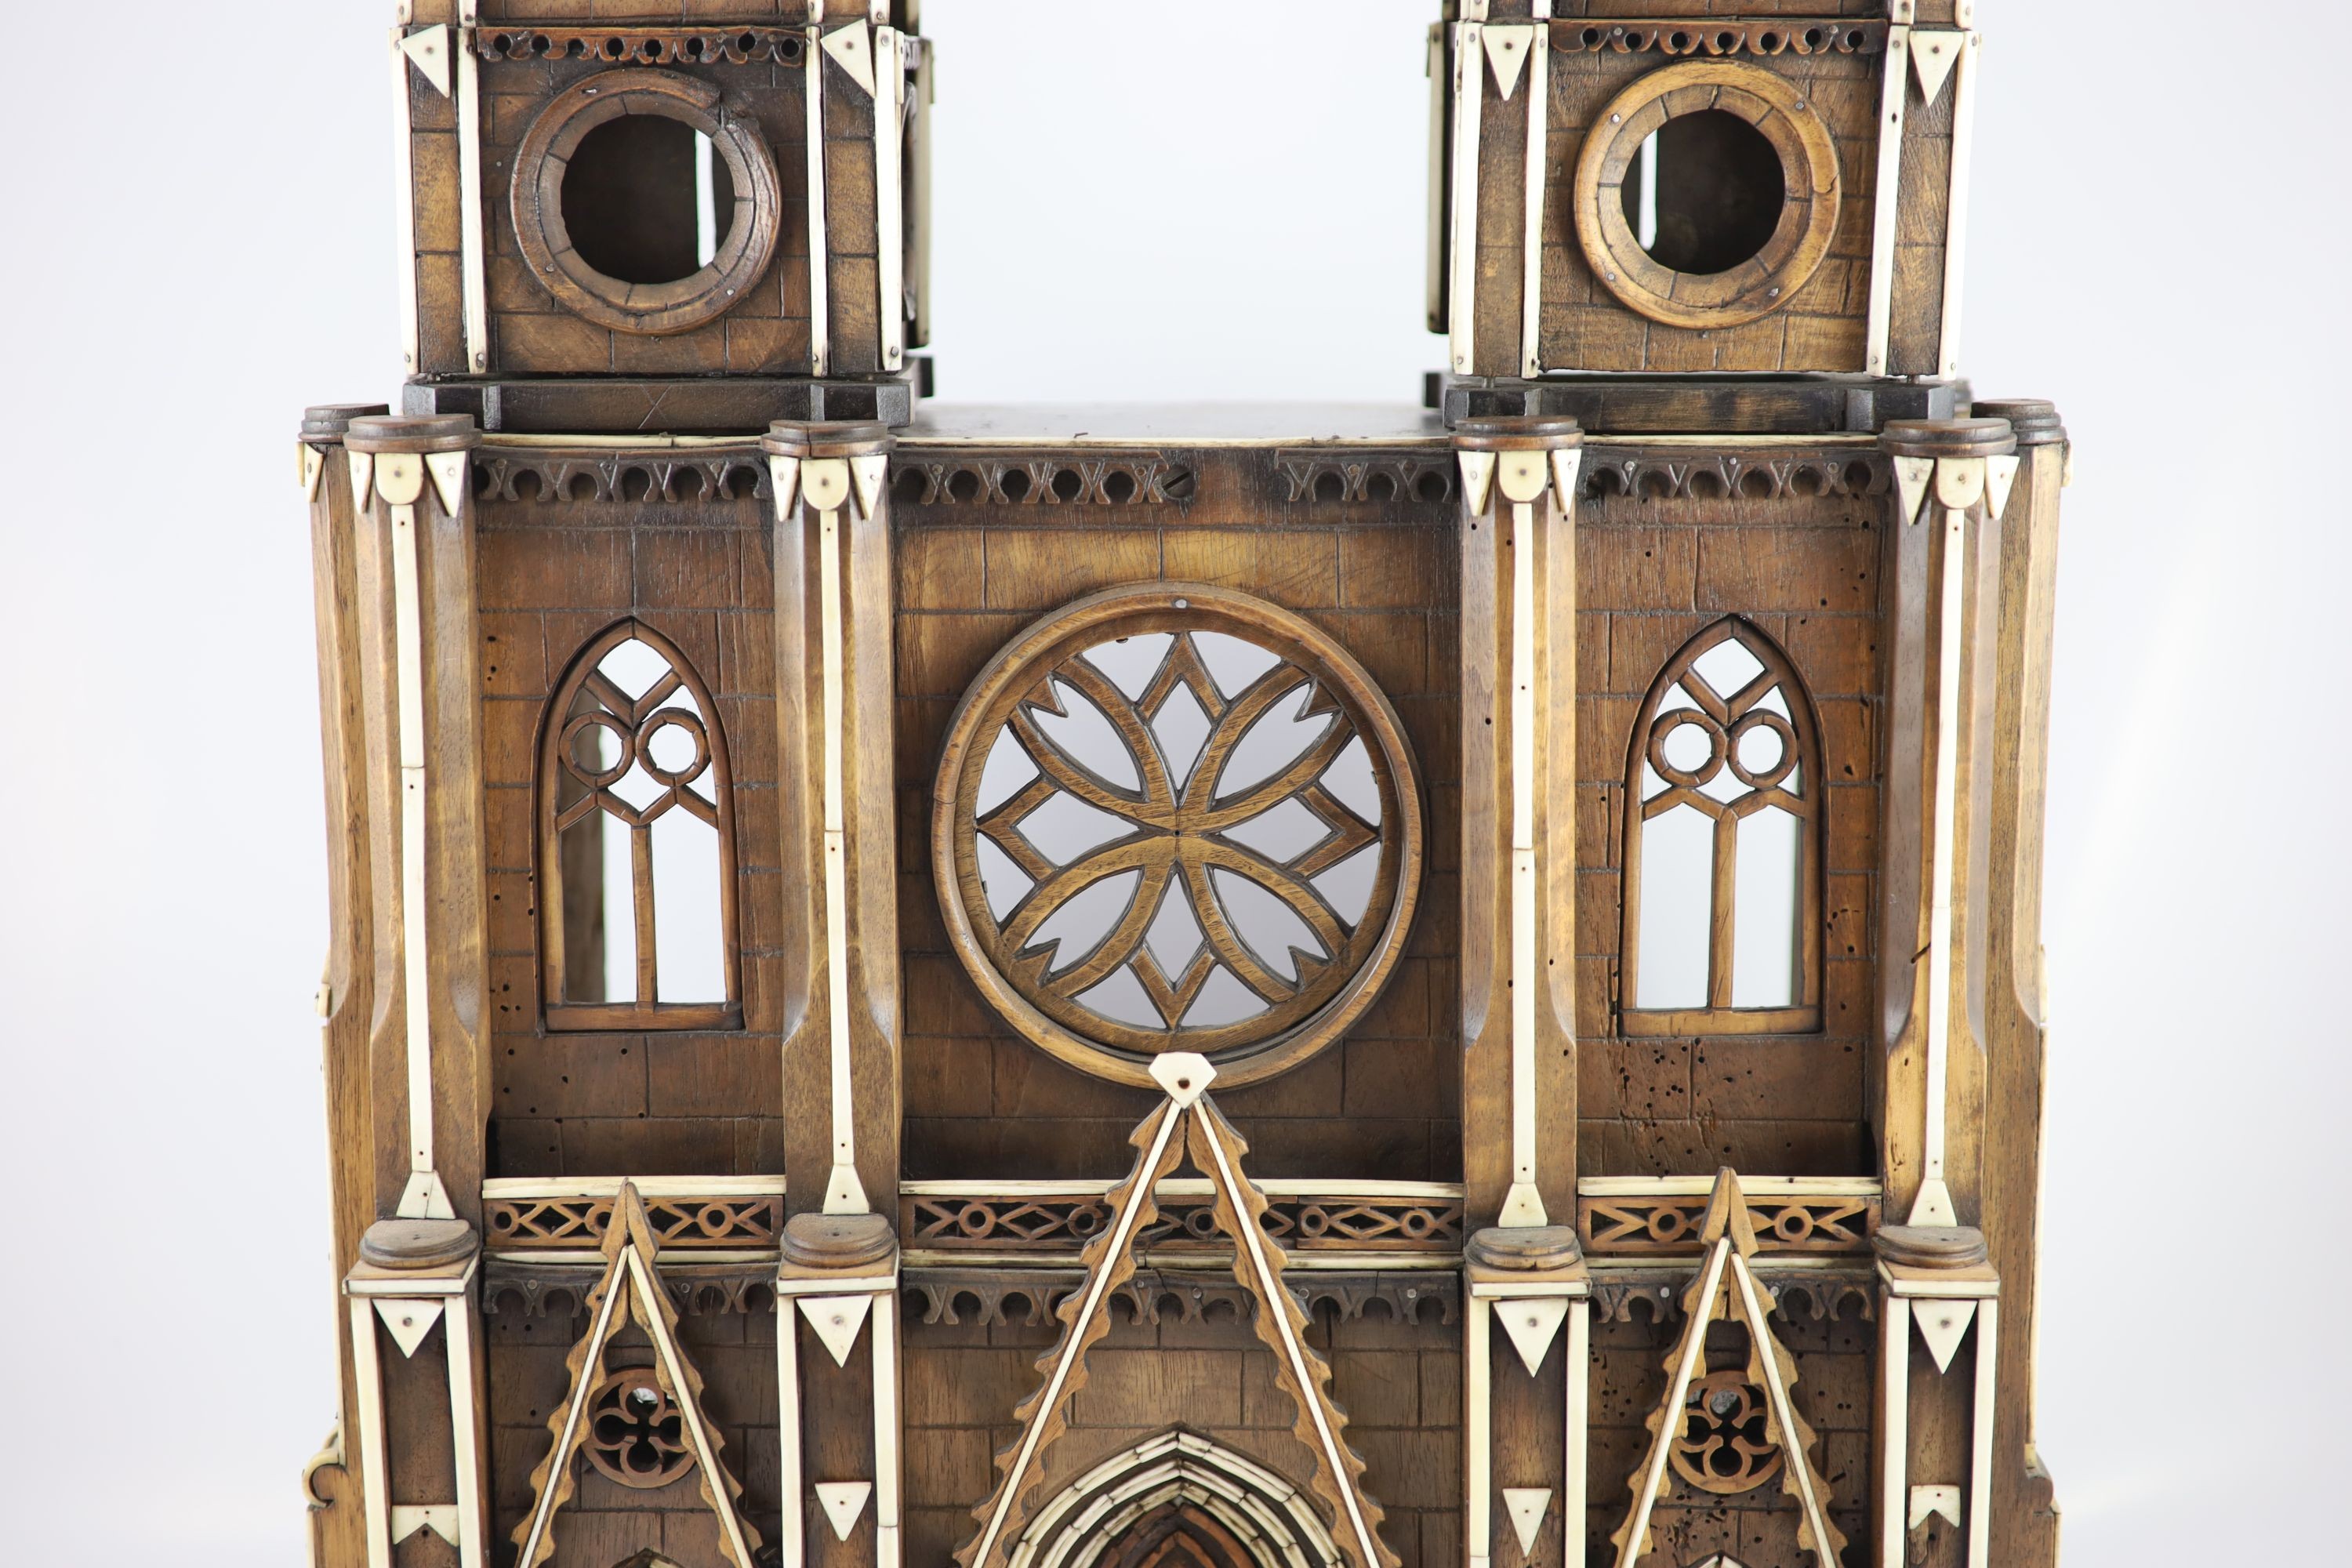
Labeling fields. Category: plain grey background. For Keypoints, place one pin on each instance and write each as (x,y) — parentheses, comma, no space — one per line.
(1136,204)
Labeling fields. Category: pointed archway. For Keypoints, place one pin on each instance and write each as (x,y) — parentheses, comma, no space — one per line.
(1179,1500)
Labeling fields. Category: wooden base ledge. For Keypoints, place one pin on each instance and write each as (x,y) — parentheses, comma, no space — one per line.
(685,405)
(1623,404)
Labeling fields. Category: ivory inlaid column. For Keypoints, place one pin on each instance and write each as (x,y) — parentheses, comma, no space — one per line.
(837,1358)
(837,755)
(1953,483)
(1525,1393)
(1939,1373)
(418,622)
(1518,818)
(420,1384)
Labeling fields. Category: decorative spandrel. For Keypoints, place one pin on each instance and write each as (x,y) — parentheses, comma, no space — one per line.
(1177,819)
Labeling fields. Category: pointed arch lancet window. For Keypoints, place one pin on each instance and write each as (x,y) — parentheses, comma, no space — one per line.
(636,844)
(1723,844)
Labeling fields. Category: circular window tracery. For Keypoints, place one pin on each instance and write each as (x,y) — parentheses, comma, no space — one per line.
(636,1433)
(1710,115)
(1177,819)
(1724,1444)
(547,200)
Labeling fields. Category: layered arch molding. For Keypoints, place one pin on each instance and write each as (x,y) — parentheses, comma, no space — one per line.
(1177,1500)
(1724,819)
(637,847)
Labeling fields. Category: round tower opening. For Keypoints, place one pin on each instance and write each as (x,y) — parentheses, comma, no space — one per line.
(1705,193)
(647,199)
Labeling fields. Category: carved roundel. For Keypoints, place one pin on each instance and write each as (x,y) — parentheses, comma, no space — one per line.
(1777,110)
(1723,1445)
(1177,819)
(545,237)
(636,1433)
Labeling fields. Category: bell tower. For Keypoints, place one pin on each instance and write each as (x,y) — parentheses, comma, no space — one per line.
(709,221)
(1457,984)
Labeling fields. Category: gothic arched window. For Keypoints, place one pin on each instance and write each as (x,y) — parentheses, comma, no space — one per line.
(1723,844)
(636,843)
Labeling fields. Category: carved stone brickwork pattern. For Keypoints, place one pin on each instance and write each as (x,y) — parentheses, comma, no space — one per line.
(1670,1226)
(1052,1225)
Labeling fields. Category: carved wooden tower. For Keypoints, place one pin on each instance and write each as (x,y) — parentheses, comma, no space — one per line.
(915,986)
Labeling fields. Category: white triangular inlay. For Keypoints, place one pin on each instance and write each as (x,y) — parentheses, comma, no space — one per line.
(1506,51)
(853,50)
(1912,477)
(1941,1324)
(869,472)
(440,1518)
(1477,479)
(836,1320)
(843,1501)
(1928,1501)
(2000,477)
(1526,1505)
(1933,54)
(428,50)
(1532,1324)
(448,472)
(408,1320)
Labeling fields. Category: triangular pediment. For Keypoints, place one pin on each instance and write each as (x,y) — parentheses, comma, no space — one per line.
(631,1288)
(1725,1288)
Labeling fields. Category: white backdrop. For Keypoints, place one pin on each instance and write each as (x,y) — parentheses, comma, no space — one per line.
(1132,204)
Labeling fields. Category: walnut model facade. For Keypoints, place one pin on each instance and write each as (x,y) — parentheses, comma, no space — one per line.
(1459,988)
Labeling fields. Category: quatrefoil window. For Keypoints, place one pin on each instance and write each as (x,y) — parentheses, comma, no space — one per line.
(1724,1444)
(1178,818)
(637,1433)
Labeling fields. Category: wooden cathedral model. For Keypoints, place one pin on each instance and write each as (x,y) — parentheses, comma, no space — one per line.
(1457,988)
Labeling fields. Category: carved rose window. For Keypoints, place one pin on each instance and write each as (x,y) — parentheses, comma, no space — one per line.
(1177,819)
(1723,844)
